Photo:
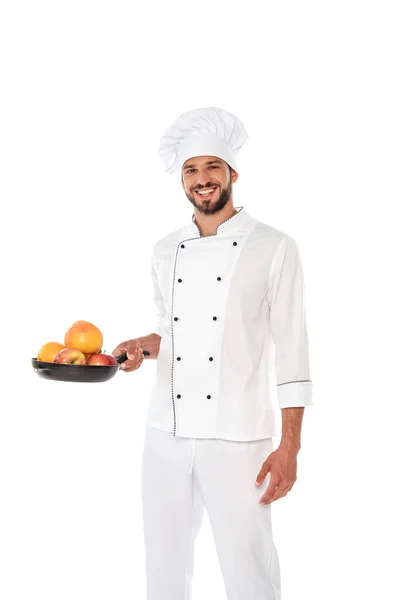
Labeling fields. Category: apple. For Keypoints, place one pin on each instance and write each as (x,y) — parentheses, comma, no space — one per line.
(70,356)
(102,360)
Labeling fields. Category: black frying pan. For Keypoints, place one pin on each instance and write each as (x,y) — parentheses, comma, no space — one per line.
(79,373)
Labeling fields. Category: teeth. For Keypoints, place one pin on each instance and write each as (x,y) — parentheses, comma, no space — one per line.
(205,192)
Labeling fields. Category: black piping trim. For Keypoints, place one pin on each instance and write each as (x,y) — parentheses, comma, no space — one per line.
(172,301)
(295,381)
(219,225)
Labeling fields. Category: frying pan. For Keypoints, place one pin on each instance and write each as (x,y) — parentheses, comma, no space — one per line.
(79,373)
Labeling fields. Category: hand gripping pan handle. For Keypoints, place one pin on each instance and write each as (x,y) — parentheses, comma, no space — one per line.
(123,357)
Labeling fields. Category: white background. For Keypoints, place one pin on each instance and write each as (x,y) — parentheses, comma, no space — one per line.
(87,90)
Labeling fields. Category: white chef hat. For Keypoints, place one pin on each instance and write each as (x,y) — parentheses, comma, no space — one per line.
(202,132)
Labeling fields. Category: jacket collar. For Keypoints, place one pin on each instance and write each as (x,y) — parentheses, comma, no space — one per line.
(241,219)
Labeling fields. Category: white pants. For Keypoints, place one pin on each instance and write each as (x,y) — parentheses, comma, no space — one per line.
(181,476)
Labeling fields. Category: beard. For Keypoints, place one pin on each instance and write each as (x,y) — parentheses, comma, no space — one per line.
(210,208)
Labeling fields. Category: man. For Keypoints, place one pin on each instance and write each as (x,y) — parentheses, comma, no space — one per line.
(229,292)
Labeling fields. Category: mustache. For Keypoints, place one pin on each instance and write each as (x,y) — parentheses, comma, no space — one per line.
(200,187)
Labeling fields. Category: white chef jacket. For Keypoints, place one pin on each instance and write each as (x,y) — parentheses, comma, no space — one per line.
(231,316)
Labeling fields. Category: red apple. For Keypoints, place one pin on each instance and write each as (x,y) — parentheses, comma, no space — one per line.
(70,356)
(102,360)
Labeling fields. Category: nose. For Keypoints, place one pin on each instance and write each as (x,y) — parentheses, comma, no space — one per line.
(203,177)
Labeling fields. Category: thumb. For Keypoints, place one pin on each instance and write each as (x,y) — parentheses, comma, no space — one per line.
(131,346)
(263,472)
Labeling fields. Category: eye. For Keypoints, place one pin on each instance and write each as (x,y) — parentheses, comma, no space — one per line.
(214,166)
(190,170)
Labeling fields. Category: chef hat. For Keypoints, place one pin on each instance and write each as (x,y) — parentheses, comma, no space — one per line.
(202,132)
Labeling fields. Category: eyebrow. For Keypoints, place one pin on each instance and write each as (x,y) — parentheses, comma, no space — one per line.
(209,162)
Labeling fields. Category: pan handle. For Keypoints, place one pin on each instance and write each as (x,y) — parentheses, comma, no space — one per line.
(123,357)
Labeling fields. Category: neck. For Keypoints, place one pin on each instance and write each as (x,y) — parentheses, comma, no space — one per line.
(208,224)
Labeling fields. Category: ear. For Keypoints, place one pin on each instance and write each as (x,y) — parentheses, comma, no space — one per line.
(235,175)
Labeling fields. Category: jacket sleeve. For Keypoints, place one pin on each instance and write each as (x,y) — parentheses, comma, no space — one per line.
(286,300)
(157,299)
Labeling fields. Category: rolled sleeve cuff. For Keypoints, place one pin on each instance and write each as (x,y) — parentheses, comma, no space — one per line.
(294,393)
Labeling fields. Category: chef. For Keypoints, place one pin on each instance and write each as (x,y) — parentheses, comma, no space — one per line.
(230,338)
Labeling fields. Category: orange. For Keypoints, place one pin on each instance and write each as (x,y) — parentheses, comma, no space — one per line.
(49,351)
(84,336)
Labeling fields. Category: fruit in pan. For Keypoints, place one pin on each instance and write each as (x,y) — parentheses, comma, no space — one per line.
(70,356)
(49,351)
(84,336)
(102,360)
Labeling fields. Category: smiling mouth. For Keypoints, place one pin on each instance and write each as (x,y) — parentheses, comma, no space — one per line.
(206,193)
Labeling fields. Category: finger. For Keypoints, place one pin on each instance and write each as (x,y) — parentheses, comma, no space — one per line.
(278,493)
(123,347)
(128,348)
(133,368)
(263,473)
(286,490)
(120,349)
(132,346)
(134,357)
(274,482)
(132,365)
(289,486)
(129,365)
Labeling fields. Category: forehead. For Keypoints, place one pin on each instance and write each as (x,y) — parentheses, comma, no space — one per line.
(197,161)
